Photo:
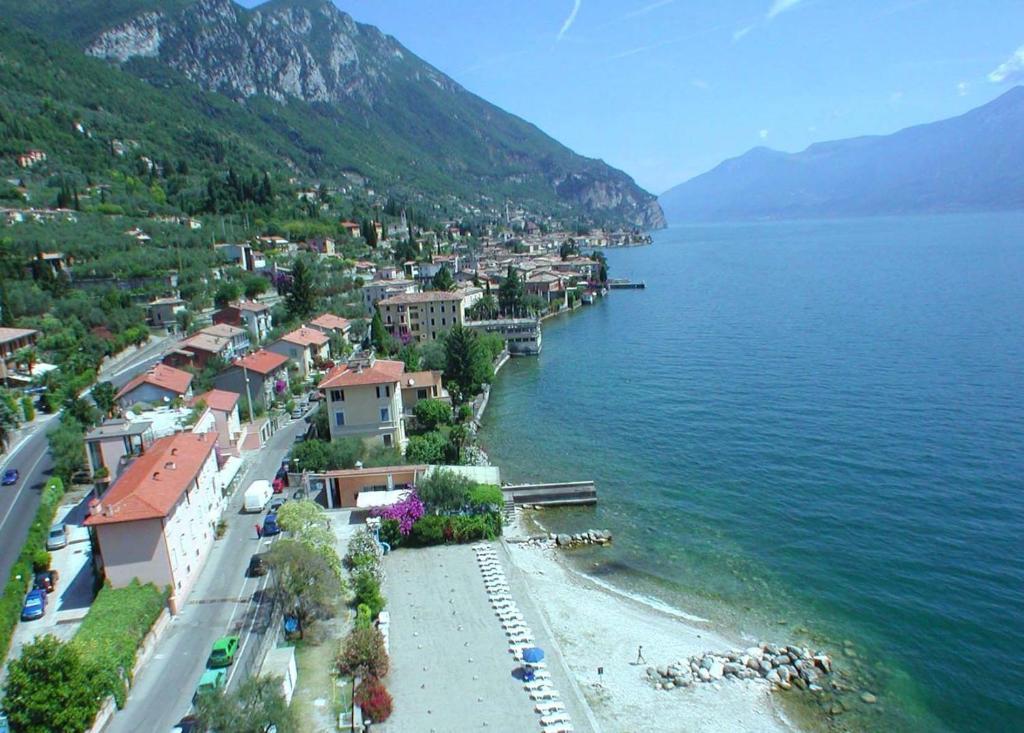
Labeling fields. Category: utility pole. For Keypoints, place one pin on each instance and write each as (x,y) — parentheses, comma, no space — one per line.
(248,392)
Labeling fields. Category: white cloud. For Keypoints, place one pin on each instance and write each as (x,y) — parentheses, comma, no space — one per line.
(571,19)
(961,88)
(1011,70)
(648,8)
(781,6)
(763,134)
(741,32)
(699,84)
(812,128)
(896,97)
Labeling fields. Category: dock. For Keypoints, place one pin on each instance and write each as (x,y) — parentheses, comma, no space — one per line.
(568,493)
(626,285)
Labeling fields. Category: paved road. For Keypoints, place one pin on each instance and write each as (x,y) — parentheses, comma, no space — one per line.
(223,601)
(18,503)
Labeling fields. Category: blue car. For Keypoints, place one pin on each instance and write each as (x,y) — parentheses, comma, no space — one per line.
(11,477)
(35,605)
(270,527)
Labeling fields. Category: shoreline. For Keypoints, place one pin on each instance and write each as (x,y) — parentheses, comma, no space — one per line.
(596,625)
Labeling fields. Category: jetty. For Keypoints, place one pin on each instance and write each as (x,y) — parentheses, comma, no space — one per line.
(567,493)
(623,284)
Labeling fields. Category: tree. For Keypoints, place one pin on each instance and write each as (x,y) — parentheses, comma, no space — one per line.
(602,271)
(304,582)
(484,309)
(227,291)
(458,438)
(254,286)
(104,394)
(433,356)
(300,516)
(184,318)
(8,422)
(568,249)
(67,446)
(443,279)
(301,298)
(368,230)
(430,448)
(50,687)
(444,490)
(431,414)
(410,356)
(363,654)
(468,367)
(379,337)
(252,708)
(511,293)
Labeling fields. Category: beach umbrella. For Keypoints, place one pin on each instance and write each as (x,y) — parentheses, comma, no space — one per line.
(533,655)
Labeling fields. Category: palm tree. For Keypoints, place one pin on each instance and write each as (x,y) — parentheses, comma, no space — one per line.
(28,357)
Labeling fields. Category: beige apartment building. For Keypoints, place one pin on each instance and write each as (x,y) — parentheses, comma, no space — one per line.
(363,399)
(425,316)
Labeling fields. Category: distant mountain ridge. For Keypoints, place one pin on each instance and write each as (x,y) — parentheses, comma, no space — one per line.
(349,97)
(973,162)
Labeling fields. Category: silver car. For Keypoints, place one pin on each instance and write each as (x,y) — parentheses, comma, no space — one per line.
(57,538)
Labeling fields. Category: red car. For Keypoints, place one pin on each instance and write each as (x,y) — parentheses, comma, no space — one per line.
(278,485)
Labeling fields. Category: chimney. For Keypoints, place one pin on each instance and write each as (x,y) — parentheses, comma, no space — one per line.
(170,465)
(95,507)
(174,451)
(156,475)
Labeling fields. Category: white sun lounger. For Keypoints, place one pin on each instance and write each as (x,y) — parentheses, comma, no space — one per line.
(546,708)
(520,639)
(556,719)
(497,598)
(513,622)
(537,685)
(542,674)
(557,728)
(498,588)
(521,631)
(545,693)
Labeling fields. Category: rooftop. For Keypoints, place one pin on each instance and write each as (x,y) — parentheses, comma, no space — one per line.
(381,371)
(118,427)
(163,376)
(12,334)
(262,361)
(218,399)
(306,337)
(152,485)
(420,379)
(204,342)
(329,320)
(223,330)
(432,296)
(250,305)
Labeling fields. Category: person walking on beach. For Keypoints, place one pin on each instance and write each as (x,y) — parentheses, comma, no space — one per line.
(640,655)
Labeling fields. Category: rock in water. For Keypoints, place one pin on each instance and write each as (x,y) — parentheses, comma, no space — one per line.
(717,670)
(868,698)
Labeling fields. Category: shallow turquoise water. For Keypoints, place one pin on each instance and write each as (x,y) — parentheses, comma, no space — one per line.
(815,423)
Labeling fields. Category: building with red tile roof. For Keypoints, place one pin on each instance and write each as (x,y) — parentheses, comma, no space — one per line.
(363,398)
(157,521)
(260,376)
(425,316)
(330,324)
(160,384)
(305,347)
(224,406)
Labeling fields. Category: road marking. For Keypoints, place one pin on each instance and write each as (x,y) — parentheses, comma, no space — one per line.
(248,635)
(24,482)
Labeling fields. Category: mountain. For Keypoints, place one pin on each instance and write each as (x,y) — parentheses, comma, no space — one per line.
(973,162)
(341,97)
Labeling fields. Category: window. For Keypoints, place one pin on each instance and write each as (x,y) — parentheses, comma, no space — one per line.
(432,323)
(387,390)
(337,395)
(378,391)
(421,394)
(444,322)
(385,414)
(339,419)
(387,441)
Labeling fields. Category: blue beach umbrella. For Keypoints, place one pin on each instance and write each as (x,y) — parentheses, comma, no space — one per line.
(533,655)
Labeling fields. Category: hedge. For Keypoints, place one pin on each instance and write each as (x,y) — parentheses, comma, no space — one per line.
(441,529)
(16,588)
(113,630)
(486,497)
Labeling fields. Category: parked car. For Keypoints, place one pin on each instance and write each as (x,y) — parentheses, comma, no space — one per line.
(299,437)
(57,538)
(34,606)
(282,473)
(276,503)
(315,397)
(270,526)
(11,477)
(81,476)
(188,724)
(279,485)
(297,413)
(223,652)
(212,680)
(46,580)
(257,566)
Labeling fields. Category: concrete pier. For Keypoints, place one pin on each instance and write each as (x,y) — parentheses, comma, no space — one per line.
(568,493)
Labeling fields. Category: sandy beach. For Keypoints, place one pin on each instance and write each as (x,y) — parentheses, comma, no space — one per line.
(596,627)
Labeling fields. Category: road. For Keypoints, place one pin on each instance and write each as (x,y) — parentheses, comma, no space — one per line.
(224,601)
(18,503)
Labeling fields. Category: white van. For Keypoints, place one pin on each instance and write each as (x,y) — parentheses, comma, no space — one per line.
(257,496)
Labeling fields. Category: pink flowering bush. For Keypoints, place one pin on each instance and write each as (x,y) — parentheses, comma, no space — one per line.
(405,512)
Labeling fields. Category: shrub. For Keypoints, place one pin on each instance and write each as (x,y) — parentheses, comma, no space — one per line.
(374,699)
(40,560)
(486,497)
(444,490)
(430,414)
(368,593)
(364,619)
(28,409)
(112,631)
(405,512)
(363,555)
(391,533)
(430,448)
(363,655)
(439,530)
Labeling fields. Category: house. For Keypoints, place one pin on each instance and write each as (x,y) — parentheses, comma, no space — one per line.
(111,446)
(418,386)
(224,406)
(260,376)
(377,290)
(243,255)
(425,316)
(306,347)
(547,285)
(322,245)
(197,350)
(30,157)
(351,228)
(13,340)
(331,325)
(237,339)
(161,384)
(248,314)
(157,522)
(343,488)
(163,312)
(363,399)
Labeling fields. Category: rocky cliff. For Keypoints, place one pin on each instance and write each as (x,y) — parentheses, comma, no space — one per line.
(425,129)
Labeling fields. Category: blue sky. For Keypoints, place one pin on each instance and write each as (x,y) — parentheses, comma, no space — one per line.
(667,89)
